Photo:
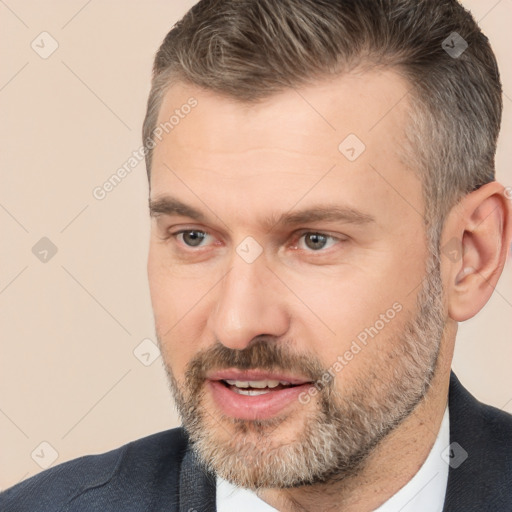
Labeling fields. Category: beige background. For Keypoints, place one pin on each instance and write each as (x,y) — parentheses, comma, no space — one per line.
(69,327)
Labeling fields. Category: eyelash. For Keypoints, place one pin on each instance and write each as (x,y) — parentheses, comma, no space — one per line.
(297,238)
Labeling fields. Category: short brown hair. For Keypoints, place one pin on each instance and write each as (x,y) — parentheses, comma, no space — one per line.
(251,49)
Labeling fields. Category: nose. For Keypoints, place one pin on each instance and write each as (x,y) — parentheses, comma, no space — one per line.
(249,303)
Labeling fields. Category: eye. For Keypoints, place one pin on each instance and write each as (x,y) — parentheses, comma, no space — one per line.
(191,237)
(316,241)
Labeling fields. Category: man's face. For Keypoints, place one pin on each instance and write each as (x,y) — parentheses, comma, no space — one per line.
(281,253)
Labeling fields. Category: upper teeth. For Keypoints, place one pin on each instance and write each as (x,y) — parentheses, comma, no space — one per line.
(256,383)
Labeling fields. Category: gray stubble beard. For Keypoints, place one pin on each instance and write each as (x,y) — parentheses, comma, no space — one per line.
(338,437)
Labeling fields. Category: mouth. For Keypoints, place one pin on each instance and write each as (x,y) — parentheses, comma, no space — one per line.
(255,395)
(256,387)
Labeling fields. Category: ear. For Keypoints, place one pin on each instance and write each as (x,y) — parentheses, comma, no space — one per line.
(474,248)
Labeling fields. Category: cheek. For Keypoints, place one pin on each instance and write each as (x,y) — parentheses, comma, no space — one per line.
(170,292)
(179,307)
(343,305)
(356,315)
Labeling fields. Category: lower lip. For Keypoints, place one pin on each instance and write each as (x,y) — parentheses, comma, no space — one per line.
(256,407)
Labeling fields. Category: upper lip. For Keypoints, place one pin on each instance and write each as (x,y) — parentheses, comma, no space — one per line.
(248,375)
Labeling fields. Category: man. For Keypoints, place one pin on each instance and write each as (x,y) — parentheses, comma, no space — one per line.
(324,213)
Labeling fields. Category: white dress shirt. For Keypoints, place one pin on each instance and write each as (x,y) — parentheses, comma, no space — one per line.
(425,492)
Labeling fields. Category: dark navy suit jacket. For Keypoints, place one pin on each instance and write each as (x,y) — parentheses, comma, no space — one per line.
(160,472)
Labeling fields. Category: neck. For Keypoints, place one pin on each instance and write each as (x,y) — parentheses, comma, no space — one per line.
(393,463)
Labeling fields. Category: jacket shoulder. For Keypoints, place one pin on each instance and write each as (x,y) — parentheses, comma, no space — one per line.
(480,478)
(126,478)
(480,424)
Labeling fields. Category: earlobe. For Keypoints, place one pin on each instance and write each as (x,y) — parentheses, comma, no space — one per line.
(482,224)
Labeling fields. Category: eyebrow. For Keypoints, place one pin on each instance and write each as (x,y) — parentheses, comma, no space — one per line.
(172,206)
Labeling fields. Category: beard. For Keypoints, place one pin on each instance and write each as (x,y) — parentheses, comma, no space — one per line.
(339,429)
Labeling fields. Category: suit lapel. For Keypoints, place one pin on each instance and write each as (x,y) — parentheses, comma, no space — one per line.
(197,486)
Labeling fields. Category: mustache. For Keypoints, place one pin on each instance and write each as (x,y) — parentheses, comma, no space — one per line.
(263,353)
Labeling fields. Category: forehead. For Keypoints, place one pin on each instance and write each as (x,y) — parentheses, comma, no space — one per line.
(367,103)
(341,137)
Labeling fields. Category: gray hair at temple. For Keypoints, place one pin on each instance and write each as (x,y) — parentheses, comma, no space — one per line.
(251,49)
